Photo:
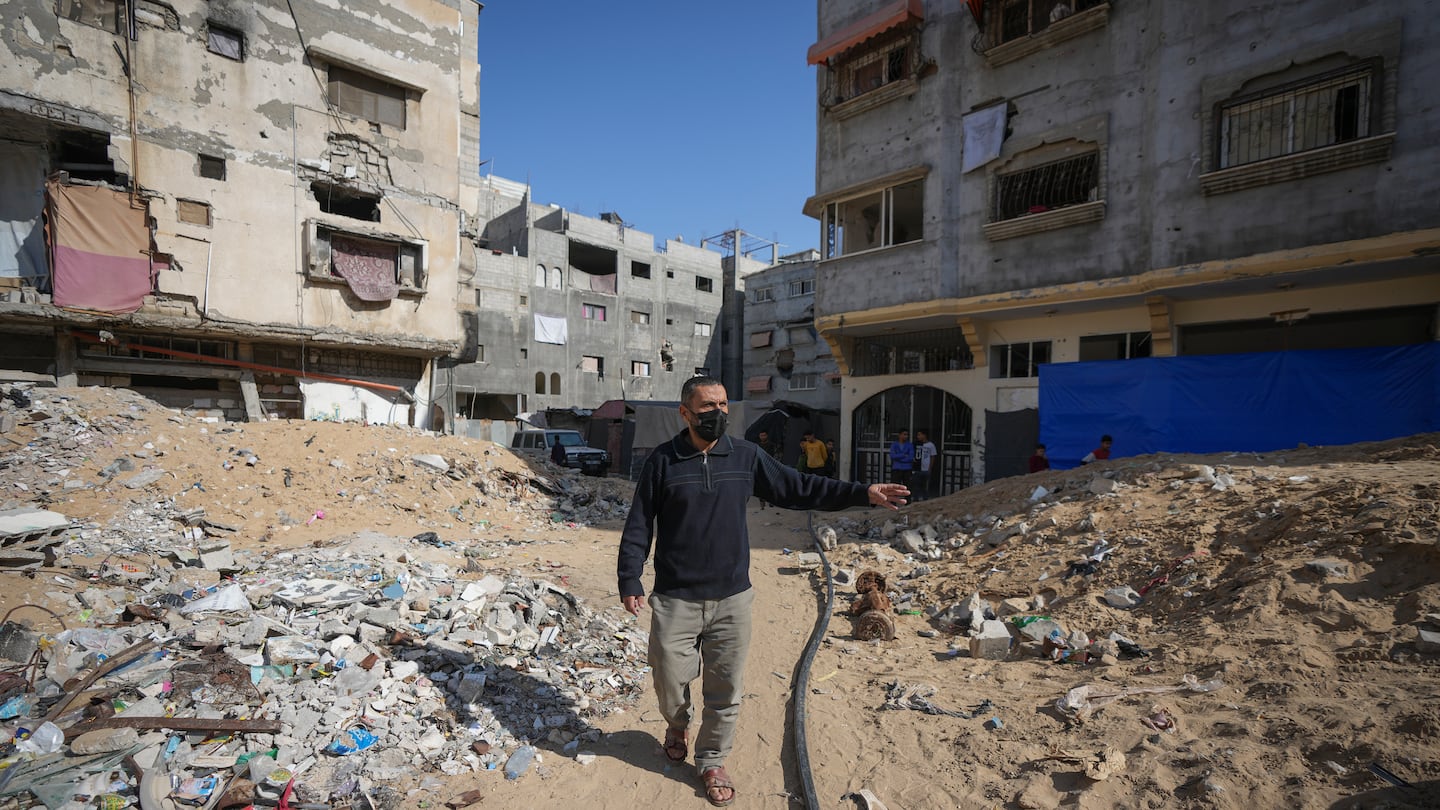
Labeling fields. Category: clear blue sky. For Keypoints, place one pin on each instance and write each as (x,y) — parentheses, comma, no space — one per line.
(686,118)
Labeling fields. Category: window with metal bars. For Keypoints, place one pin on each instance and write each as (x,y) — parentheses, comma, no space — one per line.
(889,60)
(1313,113)
(1047,187)
(1021,18)
(912,352)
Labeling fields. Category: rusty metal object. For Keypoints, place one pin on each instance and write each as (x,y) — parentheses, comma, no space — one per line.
(875,625)
(870,581)
(872,609)
(179,724)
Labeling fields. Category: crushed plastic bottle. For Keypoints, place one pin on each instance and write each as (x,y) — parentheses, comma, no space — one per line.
(519,762)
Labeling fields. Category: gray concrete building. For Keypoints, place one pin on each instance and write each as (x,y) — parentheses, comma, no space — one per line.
(1005,184)
(785,361)
(573,311)
(249,208)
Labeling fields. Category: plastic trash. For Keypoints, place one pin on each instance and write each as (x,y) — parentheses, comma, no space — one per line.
(47,739)
(519,762)
(356,739)
(230,598)
(15,707)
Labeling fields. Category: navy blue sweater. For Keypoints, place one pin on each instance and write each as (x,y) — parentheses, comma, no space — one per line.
(693,504)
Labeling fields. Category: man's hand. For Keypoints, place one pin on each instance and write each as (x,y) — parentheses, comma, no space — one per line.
(633,604)
(890,496)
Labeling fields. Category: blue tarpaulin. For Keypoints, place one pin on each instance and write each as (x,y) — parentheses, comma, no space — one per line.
(1239,402)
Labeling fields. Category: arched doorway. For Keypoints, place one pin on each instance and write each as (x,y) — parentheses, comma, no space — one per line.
(876,422)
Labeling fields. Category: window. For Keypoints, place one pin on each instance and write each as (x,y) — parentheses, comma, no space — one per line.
(592,312)
(800,335)
(557,279)
(760,340)
(539,275)
(554,382)
(480,353)
(1022,18)
(704,284)
(1014,360)
(639,368)
(96,13)
(211,167)
(1047,187)
(367,97)
(227,42)
(1122,346)
(1309,114)
(890,216)
(193,212)
(802,382)
(669,274)
(329,250)
(639,270)
(702,329)
(894,58)
(638,317)
(593,365)
(803,286)
(764,294)
(539,382)
(524,301)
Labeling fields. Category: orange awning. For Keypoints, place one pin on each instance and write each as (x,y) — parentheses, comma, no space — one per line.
(892,15)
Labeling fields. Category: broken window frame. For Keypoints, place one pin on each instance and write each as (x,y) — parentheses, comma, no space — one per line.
(705,284)
(639,317)
(639,368)
(1011,20)
(840,217)
(639,269)
(593,364)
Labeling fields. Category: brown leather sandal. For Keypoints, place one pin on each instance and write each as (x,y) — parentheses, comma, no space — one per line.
(717,782)
(677,744)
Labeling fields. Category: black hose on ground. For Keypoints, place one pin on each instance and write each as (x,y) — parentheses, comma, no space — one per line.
(802,678)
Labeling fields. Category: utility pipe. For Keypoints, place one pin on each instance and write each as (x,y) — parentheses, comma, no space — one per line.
(225,361)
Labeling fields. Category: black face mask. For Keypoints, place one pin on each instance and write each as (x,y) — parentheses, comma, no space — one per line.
(711,425)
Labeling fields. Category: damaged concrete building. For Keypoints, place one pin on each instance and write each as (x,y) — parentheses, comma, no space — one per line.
(248,208)
(1009,186)
(572,311)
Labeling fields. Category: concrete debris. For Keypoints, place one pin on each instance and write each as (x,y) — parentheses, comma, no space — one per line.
(991,642)
(1123,596)
(359,646)
(1103,486)
(1329,567)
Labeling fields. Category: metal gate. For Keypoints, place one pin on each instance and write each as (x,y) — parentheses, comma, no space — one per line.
(946,418)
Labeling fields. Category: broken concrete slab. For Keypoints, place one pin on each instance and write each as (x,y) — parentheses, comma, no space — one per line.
(992,642)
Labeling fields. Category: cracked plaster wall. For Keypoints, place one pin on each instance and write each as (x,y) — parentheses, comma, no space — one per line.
(266,117)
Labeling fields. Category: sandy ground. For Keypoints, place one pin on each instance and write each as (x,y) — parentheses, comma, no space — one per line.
(1322,676)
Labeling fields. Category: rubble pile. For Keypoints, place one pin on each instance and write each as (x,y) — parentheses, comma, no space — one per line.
(360,649)
(173,630)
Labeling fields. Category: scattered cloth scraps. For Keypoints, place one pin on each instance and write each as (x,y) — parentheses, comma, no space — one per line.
(917,696)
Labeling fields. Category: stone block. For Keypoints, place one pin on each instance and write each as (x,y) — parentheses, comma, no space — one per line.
(992,642)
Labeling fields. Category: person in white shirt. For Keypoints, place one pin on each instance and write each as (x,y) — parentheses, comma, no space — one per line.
(925,453)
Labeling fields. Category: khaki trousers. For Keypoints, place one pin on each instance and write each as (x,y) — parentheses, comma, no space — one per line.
(707,639)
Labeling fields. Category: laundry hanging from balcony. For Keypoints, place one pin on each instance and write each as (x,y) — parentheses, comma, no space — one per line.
(99,248)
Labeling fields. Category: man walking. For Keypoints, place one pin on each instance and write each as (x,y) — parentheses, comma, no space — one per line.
(691,498)
(902,459)
(925,453)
